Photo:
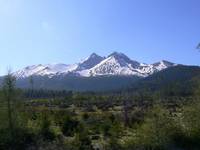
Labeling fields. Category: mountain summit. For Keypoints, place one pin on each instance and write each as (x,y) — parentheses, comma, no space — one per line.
(90,62)
(95,65)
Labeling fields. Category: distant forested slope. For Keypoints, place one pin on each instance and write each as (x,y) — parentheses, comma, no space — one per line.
(101,83)
(179,80)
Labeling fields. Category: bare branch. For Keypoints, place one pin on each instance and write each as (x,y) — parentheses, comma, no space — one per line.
(198,46)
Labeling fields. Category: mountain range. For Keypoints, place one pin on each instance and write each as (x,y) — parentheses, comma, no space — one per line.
(117,64)
(114,72)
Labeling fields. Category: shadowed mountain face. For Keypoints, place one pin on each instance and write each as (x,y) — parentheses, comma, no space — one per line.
(90,62)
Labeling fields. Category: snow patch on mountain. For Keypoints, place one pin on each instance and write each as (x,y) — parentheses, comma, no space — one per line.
(43,70)
(163,65)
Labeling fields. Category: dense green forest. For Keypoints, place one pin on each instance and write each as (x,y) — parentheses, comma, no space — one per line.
(161,114)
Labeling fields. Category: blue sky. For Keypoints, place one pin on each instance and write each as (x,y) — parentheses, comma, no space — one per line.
(66,31)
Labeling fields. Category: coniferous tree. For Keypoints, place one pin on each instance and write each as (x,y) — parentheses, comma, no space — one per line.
(32,86)
(9,97)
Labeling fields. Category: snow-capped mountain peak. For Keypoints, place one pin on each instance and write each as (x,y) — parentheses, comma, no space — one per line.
(117,54)
(163,64)
(89,62)
(112,65)
(94,55)
(95,65)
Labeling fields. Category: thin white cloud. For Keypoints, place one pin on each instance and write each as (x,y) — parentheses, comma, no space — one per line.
(46,26)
